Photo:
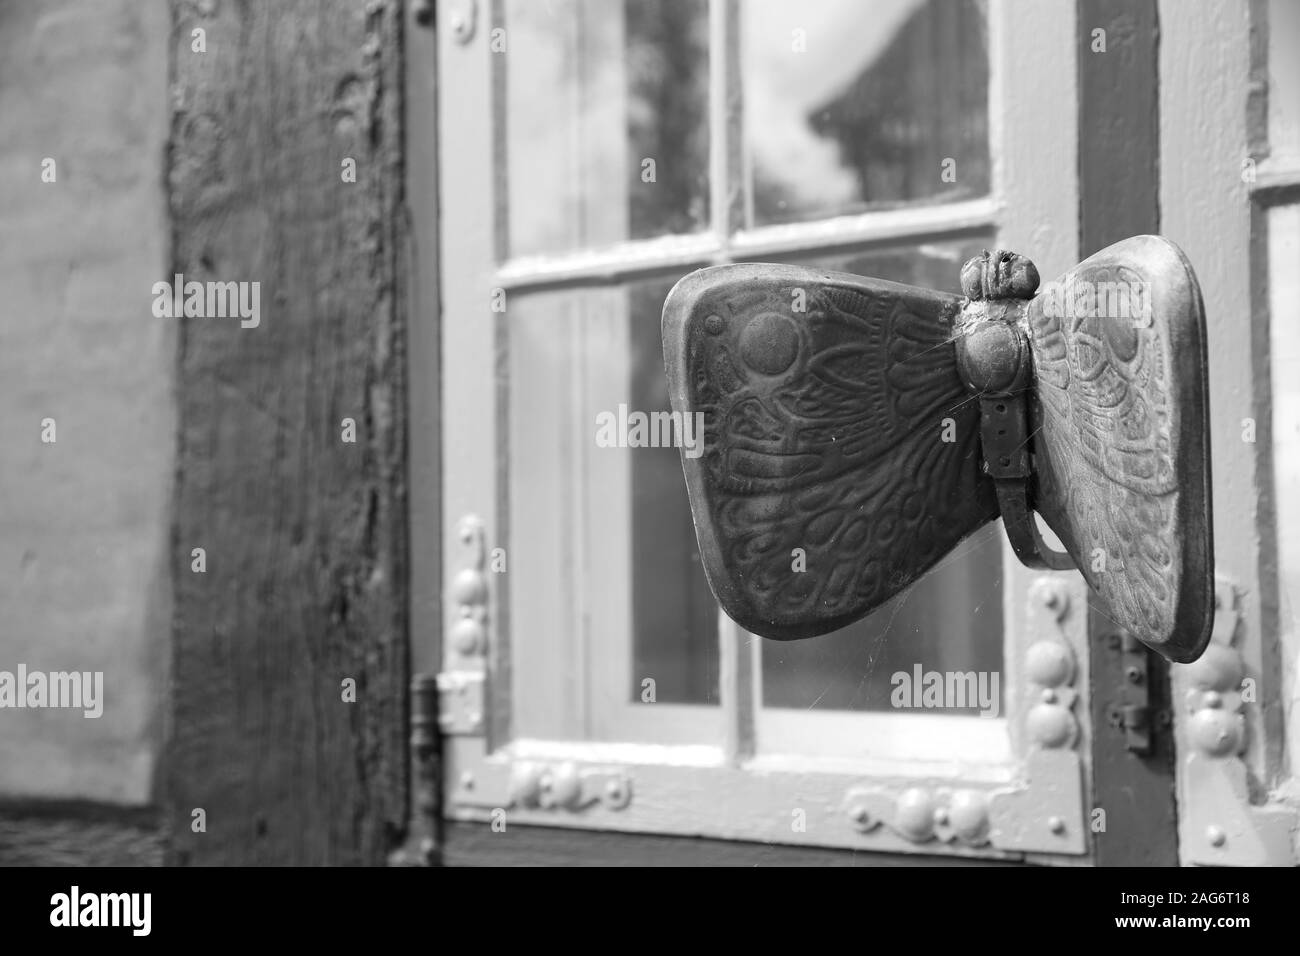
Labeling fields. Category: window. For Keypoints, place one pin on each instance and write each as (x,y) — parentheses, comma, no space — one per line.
(591,154)
(1277,194)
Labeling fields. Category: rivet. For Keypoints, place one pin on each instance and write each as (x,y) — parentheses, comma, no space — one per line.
(467,781)
(1051,596)
(1219,668)
(562,786)
(1050,725)
(469,587)
(525,783)
(940,816)
(1213,699)
(617,792)
(1056,825)
(1215,731)
(463,19)
(968,814)
(1049,696)
(914,814)
(1215,835)
(860,815)
(1049,663)
(467,636)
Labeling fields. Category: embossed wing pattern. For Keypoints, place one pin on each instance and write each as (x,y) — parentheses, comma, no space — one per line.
(840,431)
(1116,425)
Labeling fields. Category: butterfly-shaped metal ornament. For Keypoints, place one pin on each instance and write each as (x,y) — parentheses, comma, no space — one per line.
(875,425)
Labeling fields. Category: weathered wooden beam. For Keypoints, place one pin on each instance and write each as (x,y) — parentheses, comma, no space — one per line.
(304,533)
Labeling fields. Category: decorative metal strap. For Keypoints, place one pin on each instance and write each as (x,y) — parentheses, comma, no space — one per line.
(995,362)
(1004,434)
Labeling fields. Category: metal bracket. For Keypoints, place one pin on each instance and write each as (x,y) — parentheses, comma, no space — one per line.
(1132,713)
(462,688)
(461,696)
(423,847)
(532,785)
(1042,812)
(919,814)
(1221,822)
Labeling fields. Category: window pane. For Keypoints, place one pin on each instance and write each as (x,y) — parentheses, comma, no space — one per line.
(1284,81)
(1284,320)
(674,615)
(851,106)
(606,121)
(948,621)
(606,585)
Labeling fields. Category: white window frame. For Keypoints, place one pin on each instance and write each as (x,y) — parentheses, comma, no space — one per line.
(1034,796)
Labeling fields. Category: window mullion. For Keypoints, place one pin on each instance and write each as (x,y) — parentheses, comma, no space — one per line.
(726,146)
(737,649)
(738,672)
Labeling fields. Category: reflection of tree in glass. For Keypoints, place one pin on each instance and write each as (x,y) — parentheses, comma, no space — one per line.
(921,100)
(667,101)
(674,616)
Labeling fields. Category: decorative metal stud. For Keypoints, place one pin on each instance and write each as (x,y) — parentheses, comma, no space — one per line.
(469,593)
(538,785)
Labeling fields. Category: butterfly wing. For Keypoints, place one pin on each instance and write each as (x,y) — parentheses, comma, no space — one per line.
(1121,437)
(840,456)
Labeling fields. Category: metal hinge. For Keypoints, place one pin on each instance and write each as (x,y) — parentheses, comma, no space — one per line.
(423,845)
(460,703)
(1131,711)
